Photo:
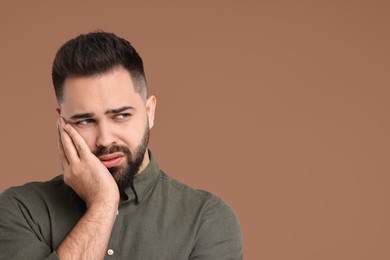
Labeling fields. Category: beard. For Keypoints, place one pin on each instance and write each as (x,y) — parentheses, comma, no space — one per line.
(124,175)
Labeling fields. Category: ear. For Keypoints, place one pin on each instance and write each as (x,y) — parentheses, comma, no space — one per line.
(150,109)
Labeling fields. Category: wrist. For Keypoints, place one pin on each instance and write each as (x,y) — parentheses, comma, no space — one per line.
(103,208)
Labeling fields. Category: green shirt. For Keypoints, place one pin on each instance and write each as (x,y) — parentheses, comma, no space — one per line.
(161,219)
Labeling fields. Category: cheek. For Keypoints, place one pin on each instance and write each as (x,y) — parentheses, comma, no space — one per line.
(129,137)
(88,137)
(132,135)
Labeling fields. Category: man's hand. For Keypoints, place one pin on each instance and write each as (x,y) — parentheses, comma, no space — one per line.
(91,180)
(83,171)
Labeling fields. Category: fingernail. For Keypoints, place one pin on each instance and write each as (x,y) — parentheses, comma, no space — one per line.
(58,123)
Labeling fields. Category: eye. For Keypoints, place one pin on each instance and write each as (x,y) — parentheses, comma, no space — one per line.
(122,116)
(85,121)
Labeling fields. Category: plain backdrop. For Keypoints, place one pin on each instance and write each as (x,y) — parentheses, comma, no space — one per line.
(279,107)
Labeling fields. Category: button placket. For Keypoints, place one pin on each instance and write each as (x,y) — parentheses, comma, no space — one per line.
(112,248)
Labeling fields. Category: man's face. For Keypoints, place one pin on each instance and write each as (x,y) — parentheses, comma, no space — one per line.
(113,119)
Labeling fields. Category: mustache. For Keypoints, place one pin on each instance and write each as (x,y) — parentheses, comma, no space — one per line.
(103,150)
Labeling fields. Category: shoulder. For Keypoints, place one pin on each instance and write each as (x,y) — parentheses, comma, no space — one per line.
(210,207)
(29,188)
(184,191)
(37,195)
(32,190)
(218,233)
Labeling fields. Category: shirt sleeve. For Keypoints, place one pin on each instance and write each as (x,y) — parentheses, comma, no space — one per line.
(219,235)
(20,236)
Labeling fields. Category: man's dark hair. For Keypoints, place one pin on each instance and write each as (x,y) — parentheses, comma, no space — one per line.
(96,53)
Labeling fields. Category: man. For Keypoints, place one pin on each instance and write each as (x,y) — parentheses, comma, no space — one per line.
(112,201)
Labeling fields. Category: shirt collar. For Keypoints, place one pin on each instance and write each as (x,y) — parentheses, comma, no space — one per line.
(143,182)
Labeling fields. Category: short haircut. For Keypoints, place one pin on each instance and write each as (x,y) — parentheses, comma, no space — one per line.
(96,53)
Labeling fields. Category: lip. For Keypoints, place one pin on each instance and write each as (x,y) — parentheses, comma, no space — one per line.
(111,160)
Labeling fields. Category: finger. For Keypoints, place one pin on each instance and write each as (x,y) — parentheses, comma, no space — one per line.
(61,152)
(79,142)
(68,146)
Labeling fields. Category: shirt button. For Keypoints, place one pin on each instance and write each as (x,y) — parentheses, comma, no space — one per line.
(110,252)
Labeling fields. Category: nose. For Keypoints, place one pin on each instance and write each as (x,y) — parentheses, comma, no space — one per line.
(104,135)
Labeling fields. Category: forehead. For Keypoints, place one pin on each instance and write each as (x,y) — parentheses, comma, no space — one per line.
(100,92)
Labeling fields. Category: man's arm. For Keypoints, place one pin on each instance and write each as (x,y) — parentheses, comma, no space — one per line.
(20,237)
(90,237)
(88,177)
(23,230)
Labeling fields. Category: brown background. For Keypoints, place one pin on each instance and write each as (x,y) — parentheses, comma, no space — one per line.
(279,107)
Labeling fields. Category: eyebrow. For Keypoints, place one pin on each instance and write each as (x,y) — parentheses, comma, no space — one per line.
(82,116)
(110,111)
(118,110)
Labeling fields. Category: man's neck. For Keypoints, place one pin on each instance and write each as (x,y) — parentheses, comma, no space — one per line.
(145,162)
